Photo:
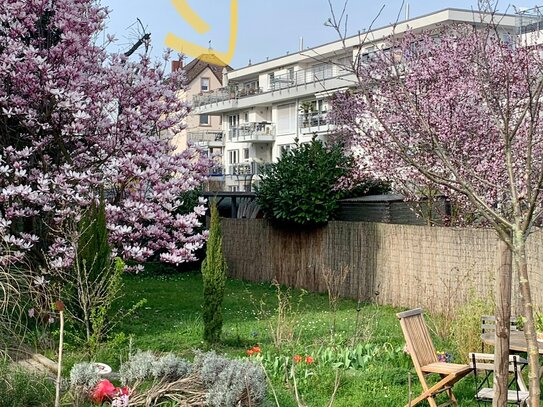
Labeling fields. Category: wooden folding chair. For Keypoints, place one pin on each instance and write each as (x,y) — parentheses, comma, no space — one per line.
(423,354)
(517,392)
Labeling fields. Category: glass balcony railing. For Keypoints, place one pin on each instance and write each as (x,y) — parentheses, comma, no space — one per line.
(312,119)
(252,132)
(290,79)
(205,137)
(246,169)
(305,76)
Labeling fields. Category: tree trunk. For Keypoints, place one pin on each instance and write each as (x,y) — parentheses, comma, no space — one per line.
(529,325)
(503,316)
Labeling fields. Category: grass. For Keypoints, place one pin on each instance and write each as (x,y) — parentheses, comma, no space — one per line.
(18,388)
(171,321)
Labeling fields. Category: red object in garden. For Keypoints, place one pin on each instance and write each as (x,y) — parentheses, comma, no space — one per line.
(309,360)
(250,352)
(105,390)
(256,349)
(297,358)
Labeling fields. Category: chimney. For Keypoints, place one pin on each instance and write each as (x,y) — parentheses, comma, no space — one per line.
(177,65)
(301,44)
(407,11)
(224,76)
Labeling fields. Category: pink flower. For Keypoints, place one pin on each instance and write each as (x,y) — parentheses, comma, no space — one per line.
(31,312)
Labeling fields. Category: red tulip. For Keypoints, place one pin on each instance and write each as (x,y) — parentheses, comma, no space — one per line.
(256,349)
(250,352)
(309,359)
(297,358)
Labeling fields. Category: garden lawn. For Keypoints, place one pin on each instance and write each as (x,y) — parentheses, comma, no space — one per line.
(171,321)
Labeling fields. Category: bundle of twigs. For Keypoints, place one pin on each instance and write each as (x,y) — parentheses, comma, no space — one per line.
(186,392)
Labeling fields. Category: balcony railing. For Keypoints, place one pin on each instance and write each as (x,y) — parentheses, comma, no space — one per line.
(312,119)
(216,171)
(252,133)
(284,81)
(223,94)
(210,138)
(305,76)
(246,169)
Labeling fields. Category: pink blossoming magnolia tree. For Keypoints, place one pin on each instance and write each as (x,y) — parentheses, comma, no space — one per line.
(460,113)
(77,123)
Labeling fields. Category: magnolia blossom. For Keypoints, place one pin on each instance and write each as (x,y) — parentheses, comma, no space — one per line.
(78,124)
(434,119)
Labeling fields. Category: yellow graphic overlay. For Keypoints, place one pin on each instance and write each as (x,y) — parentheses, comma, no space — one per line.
(201,27)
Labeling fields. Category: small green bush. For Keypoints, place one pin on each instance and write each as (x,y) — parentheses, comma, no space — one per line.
(214,280)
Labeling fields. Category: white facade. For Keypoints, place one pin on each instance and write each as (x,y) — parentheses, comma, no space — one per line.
(267,106)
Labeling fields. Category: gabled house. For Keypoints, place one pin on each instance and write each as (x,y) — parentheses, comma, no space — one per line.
(202,77)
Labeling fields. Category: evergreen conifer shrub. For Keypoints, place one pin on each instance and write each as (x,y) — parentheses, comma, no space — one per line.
(214,279)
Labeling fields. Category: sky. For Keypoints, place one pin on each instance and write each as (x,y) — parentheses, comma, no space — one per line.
(266,28)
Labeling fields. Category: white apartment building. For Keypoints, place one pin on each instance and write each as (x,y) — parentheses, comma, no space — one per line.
(265,107)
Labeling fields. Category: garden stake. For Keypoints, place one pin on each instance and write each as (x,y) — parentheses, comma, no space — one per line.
(60,308)
(409,387)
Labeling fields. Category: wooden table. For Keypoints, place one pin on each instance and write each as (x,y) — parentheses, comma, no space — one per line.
(517,341)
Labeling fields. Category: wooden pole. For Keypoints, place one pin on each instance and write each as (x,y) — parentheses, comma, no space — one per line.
(60,308)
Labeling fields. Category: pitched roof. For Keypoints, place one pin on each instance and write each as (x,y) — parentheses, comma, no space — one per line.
(197,66)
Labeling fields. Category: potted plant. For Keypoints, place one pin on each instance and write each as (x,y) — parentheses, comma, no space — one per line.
(306,108)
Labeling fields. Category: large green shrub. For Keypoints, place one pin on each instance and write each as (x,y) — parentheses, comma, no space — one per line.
(302,186)
(214,279)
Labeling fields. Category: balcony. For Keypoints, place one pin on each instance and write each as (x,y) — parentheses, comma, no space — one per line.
(313,121)
(206,139)
(300,83)
(216,171)
(224,94)
(305,76)
(246,169)
(261,132)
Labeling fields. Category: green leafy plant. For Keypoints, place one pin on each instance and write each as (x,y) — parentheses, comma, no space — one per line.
(301,187)
(466,326)
(214,279)
(95,282)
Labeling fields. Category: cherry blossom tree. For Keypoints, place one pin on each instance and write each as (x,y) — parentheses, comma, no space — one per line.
(460,112)
(78,124)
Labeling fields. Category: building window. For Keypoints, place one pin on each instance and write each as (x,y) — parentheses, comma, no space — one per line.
(271,80)
(204,84)
(233,156)
(245,153)
(204,120)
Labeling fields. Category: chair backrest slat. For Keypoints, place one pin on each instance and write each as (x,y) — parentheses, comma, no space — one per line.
(488,323)
(417,336)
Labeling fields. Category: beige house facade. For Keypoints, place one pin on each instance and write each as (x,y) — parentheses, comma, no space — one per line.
(202,129)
